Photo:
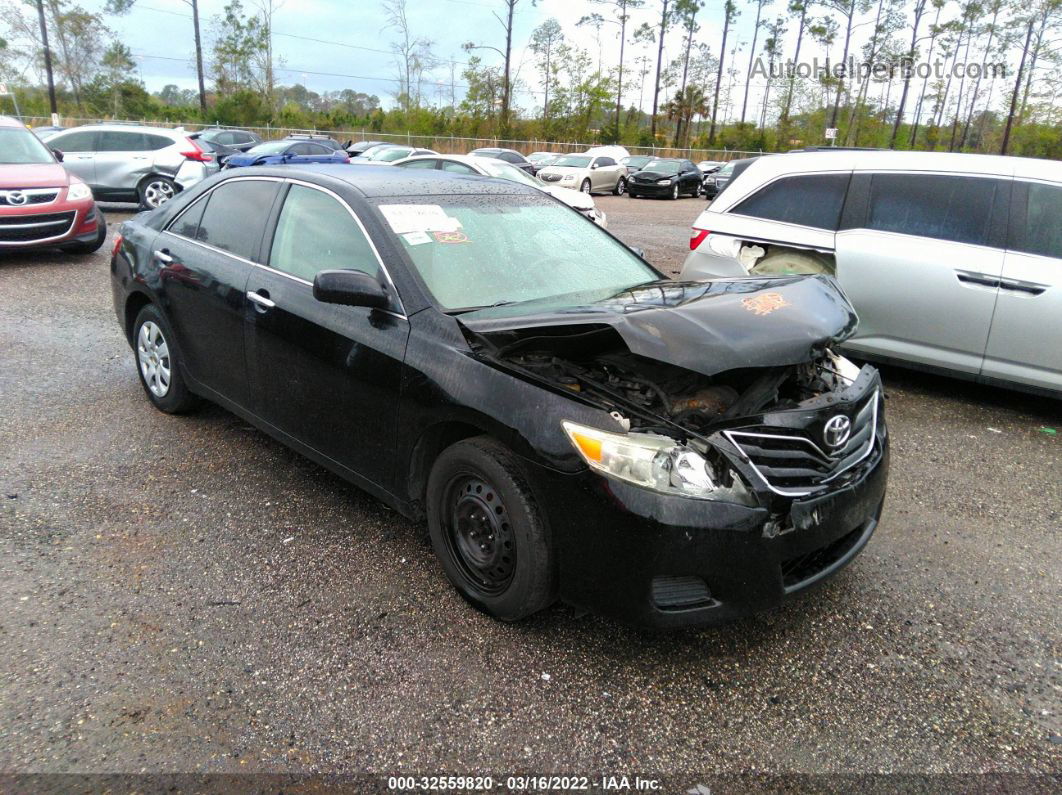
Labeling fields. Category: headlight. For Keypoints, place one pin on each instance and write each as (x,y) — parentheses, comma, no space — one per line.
(663,182)
(653,462)
(78,191)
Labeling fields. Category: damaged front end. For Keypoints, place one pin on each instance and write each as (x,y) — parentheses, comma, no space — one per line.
(758,410)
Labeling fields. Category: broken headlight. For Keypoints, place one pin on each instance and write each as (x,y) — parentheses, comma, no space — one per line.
(653,462)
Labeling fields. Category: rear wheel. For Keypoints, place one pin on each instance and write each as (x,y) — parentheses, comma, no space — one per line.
(487,530)
(158,364)
(784,263)
(621,186)
(155,191)
(585,186)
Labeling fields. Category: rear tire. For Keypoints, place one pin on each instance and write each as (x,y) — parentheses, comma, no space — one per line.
(155,191)
(786,263)
(487,530)
(158,364)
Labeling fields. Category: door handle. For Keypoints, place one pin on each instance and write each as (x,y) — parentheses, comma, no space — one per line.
(163,255)
(260,299)
(1032,288)
(980,279)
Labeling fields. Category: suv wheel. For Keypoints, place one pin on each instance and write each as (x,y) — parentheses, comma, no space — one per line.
(156,191)
(158,364)
(487,530)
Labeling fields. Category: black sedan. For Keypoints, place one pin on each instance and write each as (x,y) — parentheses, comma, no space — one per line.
(665,177)
(570,423)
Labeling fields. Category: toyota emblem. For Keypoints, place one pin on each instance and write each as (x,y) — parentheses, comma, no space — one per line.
(16,198)
(837,430)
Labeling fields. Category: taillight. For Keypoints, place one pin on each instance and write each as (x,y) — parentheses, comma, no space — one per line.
(697,237)
(118,239)
(197,153)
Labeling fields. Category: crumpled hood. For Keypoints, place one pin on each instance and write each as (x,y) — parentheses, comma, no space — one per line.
(707,327)
(651,176)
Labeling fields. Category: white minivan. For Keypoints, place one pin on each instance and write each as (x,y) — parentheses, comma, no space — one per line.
(952,261)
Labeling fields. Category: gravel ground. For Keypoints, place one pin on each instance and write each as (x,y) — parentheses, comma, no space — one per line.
(186,595)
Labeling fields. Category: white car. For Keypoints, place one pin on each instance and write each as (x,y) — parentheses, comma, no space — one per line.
(588,173)
(388,155)
(489,167)
(952,261)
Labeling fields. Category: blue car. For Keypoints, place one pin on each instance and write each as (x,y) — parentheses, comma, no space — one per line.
(274,153)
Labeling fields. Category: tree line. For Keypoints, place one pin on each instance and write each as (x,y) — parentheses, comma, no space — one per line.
(955,75)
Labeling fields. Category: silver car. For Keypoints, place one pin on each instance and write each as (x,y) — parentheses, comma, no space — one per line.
(127,163)
(953,261)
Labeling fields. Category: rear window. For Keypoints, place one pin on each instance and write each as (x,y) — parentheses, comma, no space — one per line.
(939,206)
(813,200)
(235,216)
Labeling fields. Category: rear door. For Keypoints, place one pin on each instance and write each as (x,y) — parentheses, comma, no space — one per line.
(922,266)
(123,158)
(325,374)
(79,153)
(1024,341)
(206,255)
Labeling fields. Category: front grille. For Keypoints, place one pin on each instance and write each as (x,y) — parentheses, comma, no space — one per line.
(549,177)
(31,195)
(791,464)
(801,568)
(30,228)
(681,593)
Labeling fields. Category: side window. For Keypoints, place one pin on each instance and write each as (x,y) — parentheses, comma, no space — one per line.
(605,161)
(457,168)
(187,223)
(235,216)
(689,166)
(315,233)
(510,157)
(84,141)
(1041,232)
(226,138)
(429,163)
(301,149)
(813,200)
(155,142)
(115,141)
(936,206)
(318,149)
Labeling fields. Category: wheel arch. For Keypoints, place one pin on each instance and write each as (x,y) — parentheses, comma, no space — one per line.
(134,302)
(429,445)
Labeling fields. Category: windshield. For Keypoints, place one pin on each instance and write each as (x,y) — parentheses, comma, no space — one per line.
(509,172)
(390,155)
(726,170)
(21,147)
(477,251)
(269,148)
(662,166)
(573,161)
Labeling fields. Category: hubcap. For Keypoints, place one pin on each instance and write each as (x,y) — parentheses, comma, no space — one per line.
(586,186)
(620,187)
(157,193)
(480,535)
(674,192)
(154,356)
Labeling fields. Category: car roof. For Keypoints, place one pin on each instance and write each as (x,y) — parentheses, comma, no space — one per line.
(373,181)
(7,121)
(141,128)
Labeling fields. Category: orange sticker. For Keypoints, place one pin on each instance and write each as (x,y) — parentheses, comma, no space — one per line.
(451,237)
(765,303)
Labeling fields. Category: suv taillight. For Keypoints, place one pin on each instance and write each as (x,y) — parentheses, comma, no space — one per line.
(197,153)
(697,237)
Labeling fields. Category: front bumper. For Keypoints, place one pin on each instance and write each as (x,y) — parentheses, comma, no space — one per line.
(47,225)
(649,189)
(667,562)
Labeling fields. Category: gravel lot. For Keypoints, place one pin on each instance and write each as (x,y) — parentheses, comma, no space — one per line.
(184,594)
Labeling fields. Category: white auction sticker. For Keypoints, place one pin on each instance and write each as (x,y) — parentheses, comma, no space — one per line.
(416,238)
(418,218)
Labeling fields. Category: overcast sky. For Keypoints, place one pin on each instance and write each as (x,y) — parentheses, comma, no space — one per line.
(160,34)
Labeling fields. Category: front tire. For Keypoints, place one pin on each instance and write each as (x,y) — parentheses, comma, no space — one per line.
(621,186)
(158,364)
(487,530)
(674,192)
(155,191)
(585,187)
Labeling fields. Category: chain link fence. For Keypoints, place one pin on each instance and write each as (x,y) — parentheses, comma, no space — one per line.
(448,144)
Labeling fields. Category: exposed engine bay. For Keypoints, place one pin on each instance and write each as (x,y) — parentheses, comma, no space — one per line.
(645,392)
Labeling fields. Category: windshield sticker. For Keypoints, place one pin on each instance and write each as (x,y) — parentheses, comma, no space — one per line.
(452,237)
(416,238)
(418,218)
(765,303)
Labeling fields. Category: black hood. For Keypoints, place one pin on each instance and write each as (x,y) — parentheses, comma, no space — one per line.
(652,176)
(707,327)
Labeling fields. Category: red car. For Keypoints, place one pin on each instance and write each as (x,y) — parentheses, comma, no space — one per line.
(41,204)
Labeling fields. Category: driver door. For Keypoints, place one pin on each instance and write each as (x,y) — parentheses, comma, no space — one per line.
(324,374)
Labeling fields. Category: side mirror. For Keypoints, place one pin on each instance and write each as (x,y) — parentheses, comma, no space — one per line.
(593,166)
(58,155)
(638,251)
(351,288)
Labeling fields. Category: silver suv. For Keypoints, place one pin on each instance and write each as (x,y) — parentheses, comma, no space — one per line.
(127,163)
(952,261)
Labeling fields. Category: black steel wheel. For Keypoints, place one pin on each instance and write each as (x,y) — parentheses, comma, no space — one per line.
(487,530)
